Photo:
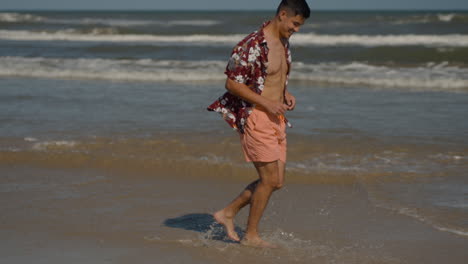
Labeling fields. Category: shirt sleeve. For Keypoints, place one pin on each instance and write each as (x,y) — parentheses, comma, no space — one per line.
(239,68)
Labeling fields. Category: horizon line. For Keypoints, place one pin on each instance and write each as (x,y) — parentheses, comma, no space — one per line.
(237,10)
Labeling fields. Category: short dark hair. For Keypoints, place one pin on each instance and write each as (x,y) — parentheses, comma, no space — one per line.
(299,7)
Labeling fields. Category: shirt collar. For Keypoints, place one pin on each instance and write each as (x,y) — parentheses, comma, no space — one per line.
(262,33)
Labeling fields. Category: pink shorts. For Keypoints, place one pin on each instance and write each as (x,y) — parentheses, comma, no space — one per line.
(264,138)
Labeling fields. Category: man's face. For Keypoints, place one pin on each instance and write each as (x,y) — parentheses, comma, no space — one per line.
(290,23)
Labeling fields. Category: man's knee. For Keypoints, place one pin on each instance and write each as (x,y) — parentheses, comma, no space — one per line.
(271,175)
(274,183)
(278,186)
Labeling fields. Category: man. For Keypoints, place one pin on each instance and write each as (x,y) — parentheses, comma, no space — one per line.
(254,105)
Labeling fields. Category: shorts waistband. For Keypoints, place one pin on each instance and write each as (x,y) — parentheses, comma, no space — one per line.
(261,109)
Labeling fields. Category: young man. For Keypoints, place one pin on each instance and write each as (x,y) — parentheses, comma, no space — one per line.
(254,105)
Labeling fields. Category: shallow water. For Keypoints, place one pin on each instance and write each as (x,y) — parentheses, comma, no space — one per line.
(409,148)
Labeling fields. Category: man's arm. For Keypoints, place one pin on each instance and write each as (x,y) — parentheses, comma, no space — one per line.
(243,91)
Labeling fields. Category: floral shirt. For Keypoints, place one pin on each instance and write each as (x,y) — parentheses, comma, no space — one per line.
(248,65)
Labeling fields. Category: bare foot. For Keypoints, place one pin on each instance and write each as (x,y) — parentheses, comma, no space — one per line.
(228,224)
(257,242)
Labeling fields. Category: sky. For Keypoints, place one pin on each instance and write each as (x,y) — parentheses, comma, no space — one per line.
(229,4)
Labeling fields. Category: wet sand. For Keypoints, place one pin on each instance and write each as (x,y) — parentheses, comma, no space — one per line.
(52,215)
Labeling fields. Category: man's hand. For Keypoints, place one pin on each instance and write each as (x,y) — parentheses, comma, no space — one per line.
(275,108)
(244,92)
(290,101)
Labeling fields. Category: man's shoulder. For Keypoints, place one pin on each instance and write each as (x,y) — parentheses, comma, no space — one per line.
(252,39)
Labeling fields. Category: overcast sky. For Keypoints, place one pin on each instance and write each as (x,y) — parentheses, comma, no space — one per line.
(230,5)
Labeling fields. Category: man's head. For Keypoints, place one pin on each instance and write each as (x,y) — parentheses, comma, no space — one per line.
(291,14)
(295,7)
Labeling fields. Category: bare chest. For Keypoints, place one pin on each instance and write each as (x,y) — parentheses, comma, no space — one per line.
(276,73)
(277,64)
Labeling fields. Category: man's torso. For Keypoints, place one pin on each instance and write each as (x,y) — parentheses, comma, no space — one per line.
(276,71)
(263,65)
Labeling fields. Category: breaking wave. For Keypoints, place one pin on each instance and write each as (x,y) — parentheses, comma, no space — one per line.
(11,17)
(431,76)
(18,17)
(306,39)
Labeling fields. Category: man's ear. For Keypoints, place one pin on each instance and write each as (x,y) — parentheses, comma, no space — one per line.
(282,14)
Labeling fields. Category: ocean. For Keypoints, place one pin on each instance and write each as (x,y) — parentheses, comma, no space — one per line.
(108,155)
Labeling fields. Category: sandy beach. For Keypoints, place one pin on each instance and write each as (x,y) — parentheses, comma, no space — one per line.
(53,215)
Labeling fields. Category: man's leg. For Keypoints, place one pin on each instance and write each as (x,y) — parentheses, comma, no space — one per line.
(227,214)
(271,178)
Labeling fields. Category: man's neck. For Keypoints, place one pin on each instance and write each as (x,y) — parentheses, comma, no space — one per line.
(272,30)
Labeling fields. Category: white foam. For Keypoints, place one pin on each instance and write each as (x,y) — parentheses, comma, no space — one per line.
(446,17)
(449,40)
(70,35)
(109,22)
(448,157)
(414,214)
(307,39)
(18,17)
(407,20)
(324,166)
(11,17)
(431,76)
(53,144)
(453,231)
(190,23)
(113,70)
(372,162)
(135,22)
(452,204)
(92,31)
(423,19)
